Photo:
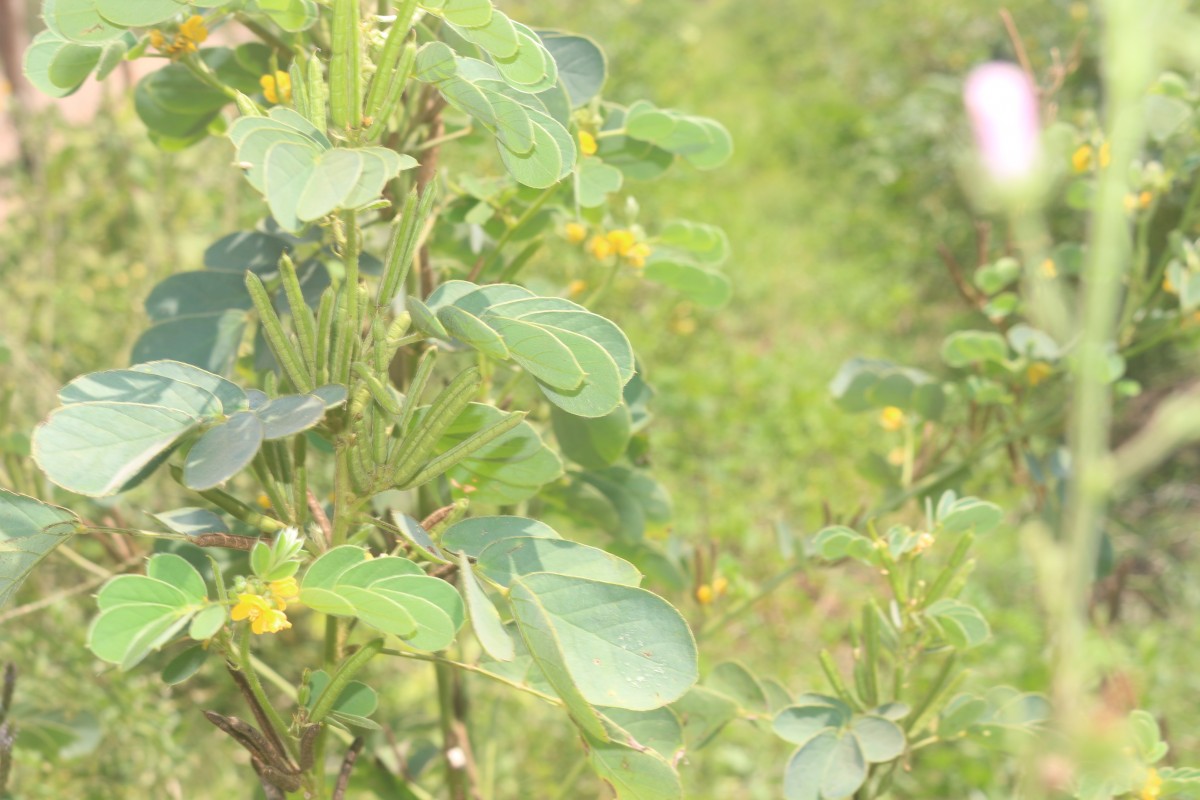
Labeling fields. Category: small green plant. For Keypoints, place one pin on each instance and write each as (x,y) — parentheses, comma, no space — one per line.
(341,391)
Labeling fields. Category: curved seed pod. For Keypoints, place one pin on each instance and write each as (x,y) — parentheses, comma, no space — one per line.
(385,71)
(446,407)
(395,90)
(345,76)
(379,393)
(302,316)
(406,232)
(325,333)
(318,94)
(285,352)
(463,449)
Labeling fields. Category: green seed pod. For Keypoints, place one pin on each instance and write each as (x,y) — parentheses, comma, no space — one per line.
(325,314)
(395,89)
(247,107)
(285,352)
(318,94)
(463,449)
(302,316)
(446,407)
(345,73)
(298,74)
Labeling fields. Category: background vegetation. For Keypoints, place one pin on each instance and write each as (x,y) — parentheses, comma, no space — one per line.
(847,123)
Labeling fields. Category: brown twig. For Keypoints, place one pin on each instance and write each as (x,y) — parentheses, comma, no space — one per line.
(1014,36)
(318,512)
(230,541)
(343,780)
(437,516)
(260,714)
(968,292)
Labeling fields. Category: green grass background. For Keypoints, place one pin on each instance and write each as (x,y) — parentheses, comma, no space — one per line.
(845,117)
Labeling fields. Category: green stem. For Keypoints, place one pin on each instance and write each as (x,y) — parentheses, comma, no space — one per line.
(457,779)
(516,227)
(246,665)
(566,787)
(337,684)
(1128,68)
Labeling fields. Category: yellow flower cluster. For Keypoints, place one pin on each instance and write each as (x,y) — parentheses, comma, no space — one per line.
(277,88)
(1037,372)
(187,40)
(706,593)
(891,418)
(1137,202)
(1049,270)
(1086,157)
(265,611)
(622,243)
(1152,788)
(587,143)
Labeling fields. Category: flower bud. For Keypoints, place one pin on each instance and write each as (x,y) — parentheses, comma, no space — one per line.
(1002,103)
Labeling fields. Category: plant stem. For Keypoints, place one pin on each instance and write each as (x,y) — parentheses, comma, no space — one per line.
(246,665)
(453,750)
(1128,68)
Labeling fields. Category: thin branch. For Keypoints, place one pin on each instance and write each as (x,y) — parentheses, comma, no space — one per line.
(318,512)
(1014,36)
(229,541)
(343,781)
(55,598)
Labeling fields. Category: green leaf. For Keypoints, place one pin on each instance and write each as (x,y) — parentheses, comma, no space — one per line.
(965,348)
(506,560)
(658,729)
(593,443)
(177,571)
(969,513)
(38,58)
(71,65)
(418,537)
(799,724)
(704,714)
(539,168)
(289,415)
(136,386)
(288,167)
(468,13)
(699,284)
(97,448)
(184,665)
(207,622)
(531,68)
(539,351)
(246,250)
(595,181)
(634,774)
(582,67)
(29,531)
(80,21)
(472,536)
(198,292)
(736,682)
(498,37)
(962,624)
(333,178)
(471,330)
(621,646)
(827,767)
(879,739)
(638,502)
(138,13)
(485,619)
(838,542)
(208,341)
(705,243)
(223,451)
(434,605)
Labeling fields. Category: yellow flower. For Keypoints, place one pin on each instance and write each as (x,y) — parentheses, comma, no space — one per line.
(622,241)
(277,88)
(264,502)
(575,232)
(1169,287)
(263,618)
(684,326)
(191,33)
(193,29)
(637,254)
(587,143)
(249,606)
(1105,154)
(1048,268)
(157,40)
(1037,372)
(704,594)
(1152,788)
(1081,160)
(924,542)
(285,589)
(576,288)
(895,456)
(891,418)
(1144,199)
(270,621)
(720,585)
(600,248)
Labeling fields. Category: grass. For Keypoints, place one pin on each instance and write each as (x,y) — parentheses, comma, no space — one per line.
(835,213)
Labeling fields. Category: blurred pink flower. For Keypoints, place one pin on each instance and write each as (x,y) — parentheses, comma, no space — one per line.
(1003,106)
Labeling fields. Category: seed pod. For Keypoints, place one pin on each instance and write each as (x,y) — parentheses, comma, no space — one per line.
(302,316)
(318,94)
(450,402)
(345,75)
(385,71)
(285,352)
